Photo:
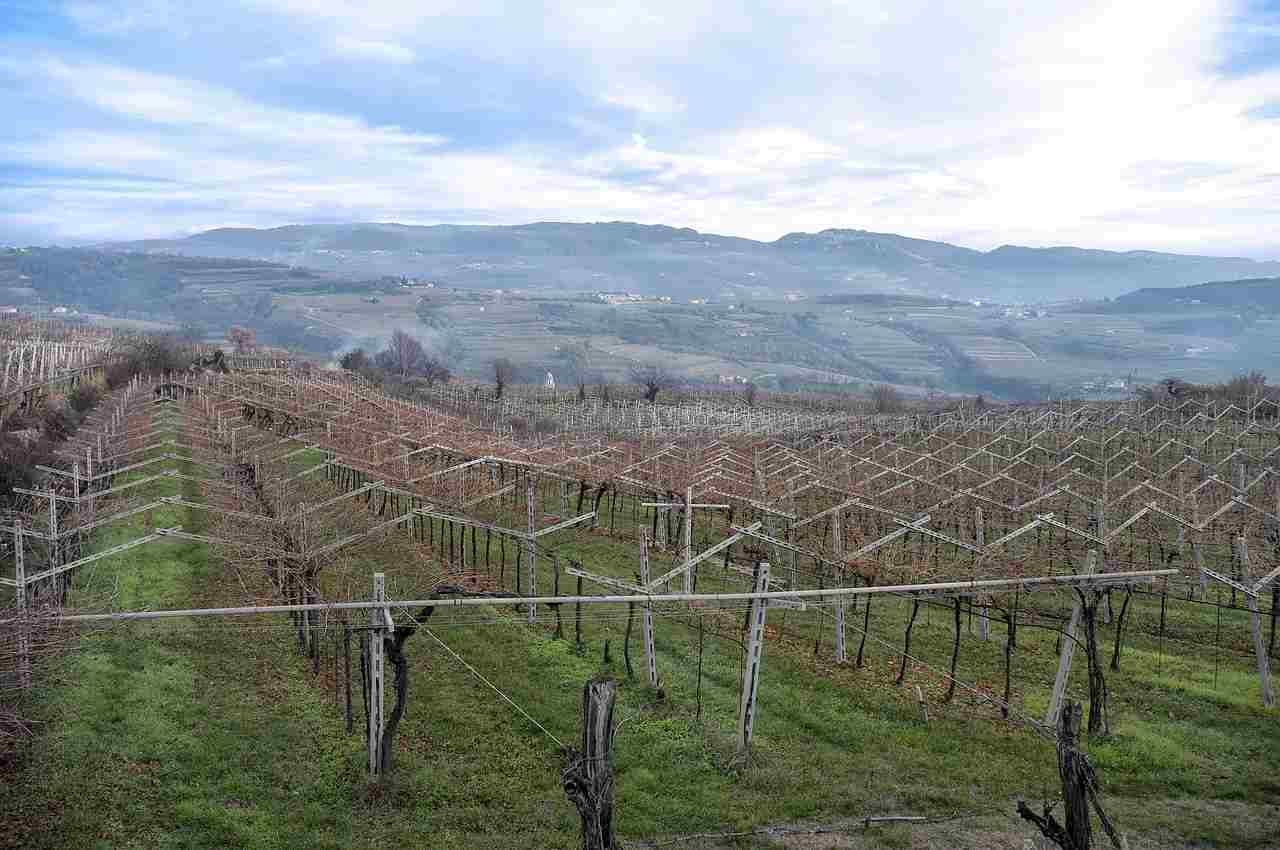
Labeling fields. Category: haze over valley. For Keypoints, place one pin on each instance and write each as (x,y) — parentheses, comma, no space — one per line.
(836,310)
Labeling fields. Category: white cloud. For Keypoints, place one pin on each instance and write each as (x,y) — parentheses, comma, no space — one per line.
(1096,123)
(380,51)
(643,99)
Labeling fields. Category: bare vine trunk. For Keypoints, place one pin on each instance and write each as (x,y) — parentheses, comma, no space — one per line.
(588,778)
(906,642)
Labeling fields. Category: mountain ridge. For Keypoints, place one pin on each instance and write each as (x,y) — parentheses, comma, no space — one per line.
(662,259)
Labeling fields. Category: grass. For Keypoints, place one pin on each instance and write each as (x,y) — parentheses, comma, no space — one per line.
(210,734)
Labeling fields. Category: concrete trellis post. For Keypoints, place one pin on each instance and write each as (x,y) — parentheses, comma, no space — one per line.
(1068,650)
(751,669)
(650,653)
(53,527)
(1197,555)
(980,538)
(379,621)
(24,634)
(838,541)
(530,547)
(1255,625)
(686,550)
(686,553)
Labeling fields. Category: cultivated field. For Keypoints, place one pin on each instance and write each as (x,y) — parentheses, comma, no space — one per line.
(893,677)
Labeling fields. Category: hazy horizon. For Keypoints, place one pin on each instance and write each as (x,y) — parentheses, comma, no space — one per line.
(177,235)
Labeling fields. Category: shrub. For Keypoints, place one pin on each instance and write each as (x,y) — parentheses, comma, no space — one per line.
(84,397)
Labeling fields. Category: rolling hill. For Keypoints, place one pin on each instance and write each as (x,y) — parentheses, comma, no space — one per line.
(662,260)
(1253,294)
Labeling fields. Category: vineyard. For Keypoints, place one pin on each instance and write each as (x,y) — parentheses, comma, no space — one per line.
(268,606)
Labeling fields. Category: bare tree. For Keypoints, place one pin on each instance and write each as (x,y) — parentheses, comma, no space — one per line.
(653,378)
(885,399)
(355,360)
(503,371)
(404,355)
(434,371)
(243,339)
(751,394)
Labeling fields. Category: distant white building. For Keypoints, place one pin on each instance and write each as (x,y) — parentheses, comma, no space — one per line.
(551,381)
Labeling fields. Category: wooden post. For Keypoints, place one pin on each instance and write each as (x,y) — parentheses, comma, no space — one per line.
(924,706)
(751,669)
(1068,650)
(588,778)
(650,654)
(378,618)
(1255,625)
(530,549)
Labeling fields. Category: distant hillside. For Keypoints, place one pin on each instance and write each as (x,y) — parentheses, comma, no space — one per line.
(661,260)
(99,280)
(1253,295)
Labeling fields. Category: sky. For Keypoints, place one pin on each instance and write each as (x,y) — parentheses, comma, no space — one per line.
(1113,125)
